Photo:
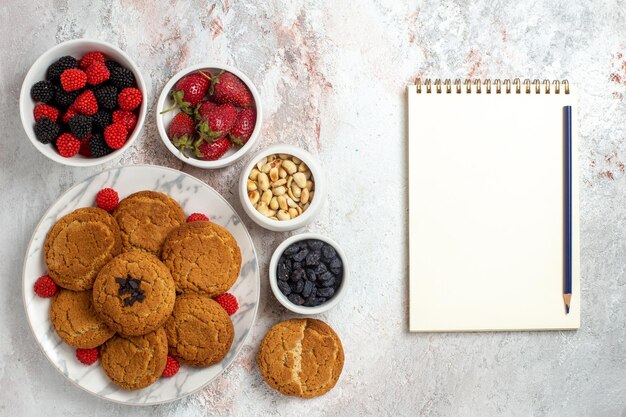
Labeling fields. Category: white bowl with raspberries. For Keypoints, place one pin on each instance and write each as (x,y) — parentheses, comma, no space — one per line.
(209,115)
(100,73)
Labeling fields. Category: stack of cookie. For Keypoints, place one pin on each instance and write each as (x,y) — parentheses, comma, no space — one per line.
(140,283)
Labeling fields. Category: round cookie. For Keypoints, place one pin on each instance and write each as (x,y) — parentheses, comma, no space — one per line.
(135,362)
(146,218)
(79,245)
(75,320)
(134,293)
(199,331)
(203,257)
(301,357)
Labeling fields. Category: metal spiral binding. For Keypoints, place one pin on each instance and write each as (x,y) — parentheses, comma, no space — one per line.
(505,86)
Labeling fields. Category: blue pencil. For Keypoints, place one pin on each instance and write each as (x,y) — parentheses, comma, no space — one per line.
(567,276)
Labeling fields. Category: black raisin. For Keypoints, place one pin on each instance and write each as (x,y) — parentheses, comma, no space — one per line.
(311,275)
(326,276)
(283,272)
(320,269)
(329,282)
(315,244)
(307,288)
(291,250)
(328,252)
(325,292)
(298,286)
(297,275)
(312,259)
(335,263)
(284,287)
(299,257)
(296,299)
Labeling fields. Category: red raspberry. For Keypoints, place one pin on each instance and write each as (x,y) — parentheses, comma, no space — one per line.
(129,99)
(115,135)
(85,150)
(87,356)
(44,110)
(194,217)
(97,73)
(127,118)
(86,103)
(171,368)
(228,302)
(73,79)
(45,287)
(71,112)
(89,58)
(68,145)
(107,199)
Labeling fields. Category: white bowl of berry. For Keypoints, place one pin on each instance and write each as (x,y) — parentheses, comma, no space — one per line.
(209,115)
(83,102)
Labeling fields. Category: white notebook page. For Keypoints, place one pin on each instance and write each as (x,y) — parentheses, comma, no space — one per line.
(486,212)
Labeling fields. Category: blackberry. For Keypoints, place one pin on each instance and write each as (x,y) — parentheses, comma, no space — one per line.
(46,130)
(106,97)
(98,146)
(56,69)
(101,120)
(111,64)
(80,126)
(121,77)
(43,91)
(64,99)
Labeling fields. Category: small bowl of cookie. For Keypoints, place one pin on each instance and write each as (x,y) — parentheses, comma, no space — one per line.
(282,188)
(309,273)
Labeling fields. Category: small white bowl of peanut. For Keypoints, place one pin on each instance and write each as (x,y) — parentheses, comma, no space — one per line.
(282,188)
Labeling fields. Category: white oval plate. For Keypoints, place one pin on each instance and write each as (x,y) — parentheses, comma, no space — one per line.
(194,196)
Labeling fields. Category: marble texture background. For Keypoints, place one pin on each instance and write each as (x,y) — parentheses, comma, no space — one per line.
(332,75)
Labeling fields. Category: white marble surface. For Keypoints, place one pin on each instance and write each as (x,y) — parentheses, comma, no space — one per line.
(332,77)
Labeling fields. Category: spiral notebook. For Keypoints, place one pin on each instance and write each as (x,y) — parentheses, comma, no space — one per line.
(486,206)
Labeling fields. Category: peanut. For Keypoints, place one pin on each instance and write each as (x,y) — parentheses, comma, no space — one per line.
(274,174)
(274,203)
(283,215)
(263,181)
(279,190)
(299,179)
(254,196)
(266,197)
(290,167)
(251,185)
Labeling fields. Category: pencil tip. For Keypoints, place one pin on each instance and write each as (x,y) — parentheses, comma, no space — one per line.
(566,309)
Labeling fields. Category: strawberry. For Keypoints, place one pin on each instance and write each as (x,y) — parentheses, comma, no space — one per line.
(243,127)
(182,132)
(215,121)
(86,103)
(228,88)
(211,151)
(189,91)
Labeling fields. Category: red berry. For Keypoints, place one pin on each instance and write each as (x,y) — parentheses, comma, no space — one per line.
(73,79)
(68,145)
(115,135)
(127,118)
(97,73)
(87,356)
(85,150)
(90,58)
(228,302)
(86,103)
(243,127)
(171,367)
(211,151)
(189,91)
(228,88)
(45,110)
(45,287)
(71,112)
(215,121)
(107,199)
(129,99)
(194,217)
